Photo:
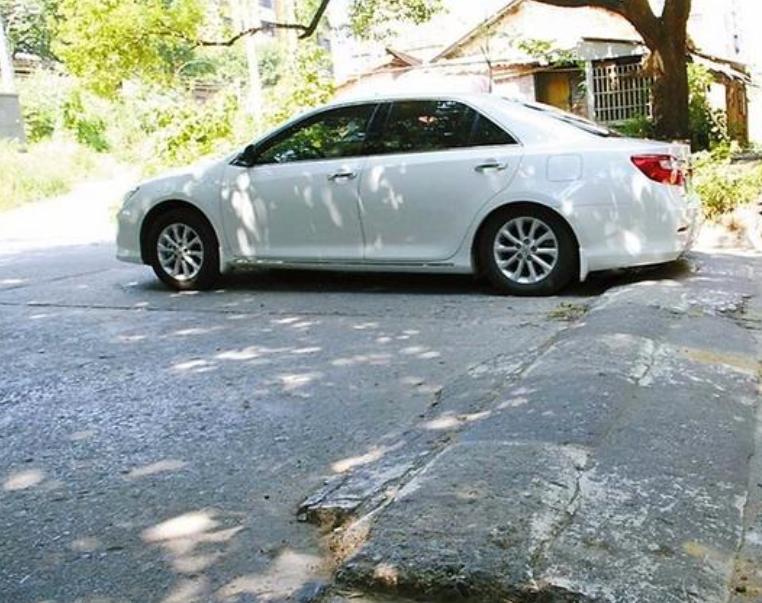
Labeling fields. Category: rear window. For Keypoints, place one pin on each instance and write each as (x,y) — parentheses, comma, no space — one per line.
(580,123)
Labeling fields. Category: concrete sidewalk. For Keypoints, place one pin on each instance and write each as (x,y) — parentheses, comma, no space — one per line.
(613,465)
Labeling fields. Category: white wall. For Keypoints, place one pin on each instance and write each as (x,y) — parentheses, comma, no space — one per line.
(749,20)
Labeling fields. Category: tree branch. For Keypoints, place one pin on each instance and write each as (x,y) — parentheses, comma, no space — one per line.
(305,30)
(315,19)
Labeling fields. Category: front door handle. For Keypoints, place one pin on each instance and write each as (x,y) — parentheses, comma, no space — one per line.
(490,166)
(342,176)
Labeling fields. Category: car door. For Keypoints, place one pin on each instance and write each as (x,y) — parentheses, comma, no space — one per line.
(295,196)
(434,163)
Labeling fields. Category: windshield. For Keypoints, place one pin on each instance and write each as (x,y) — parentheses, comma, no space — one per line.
(576,121)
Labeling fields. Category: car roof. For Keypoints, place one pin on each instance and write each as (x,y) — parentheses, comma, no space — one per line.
(475,97)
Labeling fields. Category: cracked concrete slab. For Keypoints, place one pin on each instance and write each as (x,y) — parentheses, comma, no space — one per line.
(456,532)
(628,440)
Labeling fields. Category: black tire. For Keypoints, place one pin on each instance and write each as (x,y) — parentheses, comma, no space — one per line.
(207,274)
(566,265)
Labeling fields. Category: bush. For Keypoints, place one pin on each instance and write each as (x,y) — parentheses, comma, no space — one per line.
(87,126)
(45,170)
(42,97)
(723,186)
(52,102)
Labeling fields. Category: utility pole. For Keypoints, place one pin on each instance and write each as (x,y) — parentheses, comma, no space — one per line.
(11,125)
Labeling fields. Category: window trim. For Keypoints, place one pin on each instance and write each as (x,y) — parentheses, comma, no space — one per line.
(381,110)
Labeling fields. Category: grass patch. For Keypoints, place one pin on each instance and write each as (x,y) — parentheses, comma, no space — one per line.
(724,186)
(46,169)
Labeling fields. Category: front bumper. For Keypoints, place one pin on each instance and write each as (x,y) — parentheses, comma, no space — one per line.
(128,236)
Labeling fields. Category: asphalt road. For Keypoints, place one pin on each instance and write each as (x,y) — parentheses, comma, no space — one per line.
(155,446)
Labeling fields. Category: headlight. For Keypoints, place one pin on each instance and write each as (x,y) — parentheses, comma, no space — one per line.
(125,212)
(130,194)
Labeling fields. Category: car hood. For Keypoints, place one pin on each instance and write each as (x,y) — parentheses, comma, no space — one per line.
(194,171)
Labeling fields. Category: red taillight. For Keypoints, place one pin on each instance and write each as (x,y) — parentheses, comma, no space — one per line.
(664,169)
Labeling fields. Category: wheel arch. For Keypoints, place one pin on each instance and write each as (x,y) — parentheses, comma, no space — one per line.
(475,261)
(159,210)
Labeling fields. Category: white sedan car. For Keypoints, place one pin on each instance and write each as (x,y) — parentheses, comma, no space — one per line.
(529,196)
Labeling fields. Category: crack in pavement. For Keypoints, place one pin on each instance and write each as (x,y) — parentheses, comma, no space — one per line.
(363,491)
(234,312)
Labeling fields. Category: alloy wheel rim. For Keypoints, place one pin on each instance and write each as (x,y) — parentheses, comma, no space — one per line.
(180,251)
(526,250)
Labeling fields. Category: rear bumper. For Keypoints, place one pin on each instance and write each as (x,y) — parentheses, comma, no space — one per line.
(613,238)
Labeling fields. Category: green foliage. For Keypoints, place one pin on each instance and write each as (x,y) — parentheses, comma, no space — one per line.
(271,61)
(189,132)
(27,25)
(306,82)
(375,19)
(723,186)
(637,127)
(45,170)
(42,97)
(88,127)
(54,103)
(157,128)
(106,42)
(708,126)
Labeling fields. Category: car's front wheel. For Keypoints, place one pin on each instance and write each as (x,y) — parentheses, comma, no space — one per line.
(528,250)
(183,250)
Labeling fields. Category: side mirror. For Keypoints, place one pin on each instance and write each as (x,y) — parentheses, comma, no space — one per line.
(247,157)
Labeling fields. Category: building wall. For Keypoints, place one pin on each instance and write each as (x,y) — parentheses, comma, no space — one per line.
(11,125)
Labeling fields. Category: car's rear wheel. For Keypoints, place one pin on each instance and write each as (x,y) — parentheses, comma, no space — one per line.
(184,251)
(528,250)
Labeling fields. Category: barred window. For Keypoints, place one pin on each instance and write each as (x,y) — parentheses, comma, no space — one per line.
(621,92)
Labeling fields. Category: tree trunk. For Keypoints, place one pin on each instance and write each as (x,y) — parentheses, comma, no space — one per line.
(670,90)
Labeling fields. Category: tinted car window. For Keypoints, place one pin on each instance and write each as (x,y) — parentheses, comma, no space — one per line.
(417,126)
(420,126)
(488,133)
(330,135)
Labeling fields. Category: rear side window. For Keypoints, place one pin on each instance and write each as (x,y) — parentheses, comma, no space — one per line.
(436,125)
(333,134)
(487,133)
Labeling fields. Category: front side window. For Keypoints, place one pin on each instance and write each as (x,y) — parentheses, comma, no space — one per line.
(437,125)
(334,134)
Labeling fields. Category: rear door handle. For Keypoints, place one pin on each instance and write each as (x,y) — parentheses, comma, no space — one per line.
(342,176)
(491,165)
